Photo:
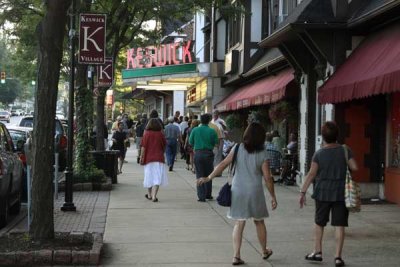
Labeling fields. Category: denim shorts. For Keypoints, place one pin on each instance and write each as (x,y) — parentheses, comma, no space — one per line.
(339,213)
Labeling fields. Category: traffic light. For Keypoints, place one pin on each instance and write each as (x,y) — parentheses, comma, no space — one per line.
(3,77)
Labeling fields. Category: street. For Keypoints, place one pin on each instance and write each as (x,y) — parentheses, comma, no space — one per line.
(13,120)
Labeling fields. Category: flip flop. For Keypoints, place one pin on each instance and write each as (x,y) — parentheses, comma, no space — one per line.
(147,196)
(314,256)
(267,253)
(237,261)
(339,262)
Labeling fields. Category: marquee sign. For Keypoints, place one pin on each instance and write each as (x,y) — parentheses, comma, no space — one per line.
(157,56)
(92,38)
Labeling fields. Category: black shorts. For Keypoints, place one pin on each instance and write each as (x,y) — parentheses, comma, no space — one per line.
(339,214)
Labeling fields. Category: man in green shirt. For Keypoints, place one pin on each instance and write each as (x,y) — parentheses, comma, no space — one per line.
(203,139)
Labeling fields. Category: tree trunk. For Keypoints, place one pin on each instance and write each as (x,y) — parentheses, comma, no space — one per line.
(51,32)
(100,120)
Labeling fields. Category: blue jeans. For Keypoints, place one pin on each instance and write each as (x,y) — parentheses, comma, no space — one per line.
(203,162)
(171,151)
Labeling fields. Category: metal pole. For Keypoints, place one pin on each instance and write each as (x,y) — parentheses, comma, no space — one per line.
(29,188)
(56,165)
(68,201)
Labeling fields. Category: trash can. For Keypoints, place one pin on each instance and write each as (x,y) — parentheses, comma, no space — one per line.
(108,162)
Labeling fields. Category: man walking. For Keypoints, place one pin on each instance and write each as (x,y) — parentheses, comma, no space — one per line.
(173,135)
(222,127)
(203,139)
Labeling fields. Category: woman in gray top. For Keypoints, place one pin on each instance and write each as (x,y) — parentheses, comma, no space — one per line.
(248,200)
(328,168)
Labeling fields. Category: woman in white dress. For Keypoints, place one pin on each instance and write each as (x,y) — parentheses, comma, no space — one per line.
(152,157)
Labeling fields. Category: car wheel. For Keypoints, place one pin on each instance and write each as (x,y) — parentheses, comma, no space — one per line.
(8,121)
(16,208)
(3,212)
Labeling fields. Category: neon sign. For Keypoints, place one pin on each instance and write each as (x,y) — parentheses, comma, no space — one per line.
(157,56)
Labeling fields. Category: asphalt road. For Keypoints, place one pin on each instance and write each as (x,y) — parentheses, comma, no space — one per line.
(13,121)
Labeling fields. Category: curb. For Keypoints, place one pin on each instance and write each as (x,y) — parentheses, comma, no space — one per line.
(107,186)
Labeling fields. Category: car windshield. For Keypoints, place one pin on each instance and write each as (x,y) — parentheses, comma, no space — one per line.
(3,113)
(17,136)
(28,122)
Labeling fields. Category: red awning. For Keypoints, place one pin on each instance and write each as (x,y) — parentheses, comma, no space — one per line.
(264,91)
(373,68)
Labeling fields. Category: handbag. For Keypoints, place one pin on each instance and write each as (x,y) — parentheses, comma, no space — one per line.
(225,194)
(352,192)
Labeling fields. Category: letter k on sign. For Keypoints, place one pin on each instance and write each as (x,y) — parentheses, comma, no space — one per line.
(92,38)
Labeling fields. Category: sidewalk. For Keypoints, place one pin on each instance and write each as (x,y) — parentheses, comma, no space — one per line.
(179,231)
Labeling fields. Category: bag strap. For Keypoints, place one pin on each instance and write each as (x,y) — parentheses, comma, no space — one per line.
(233,163)
(346,153)
(234,159)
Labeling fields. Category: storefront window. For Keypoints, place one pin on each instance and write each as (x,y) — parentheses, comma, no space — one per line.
(395,133)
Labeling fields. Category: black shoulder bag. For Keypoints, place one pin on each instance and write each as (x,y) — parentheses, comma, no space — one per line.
(225,195)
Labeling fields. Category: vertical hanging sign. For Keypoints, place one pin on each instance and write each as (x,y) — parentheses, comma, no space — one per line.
(105,73)
(92,38)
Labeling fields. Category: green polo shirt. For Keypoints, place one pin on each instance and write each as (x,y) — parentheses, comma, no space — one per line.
(203,137)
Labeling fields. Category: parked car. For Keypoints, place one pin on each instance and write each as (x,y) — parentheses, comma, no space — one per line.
(5,116)
(13,113)
(60,137)
(19,135)
(10,177)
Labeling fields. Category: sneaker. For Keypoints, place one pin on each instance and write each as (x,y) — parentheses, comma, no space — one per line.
(170,168)
(138,160)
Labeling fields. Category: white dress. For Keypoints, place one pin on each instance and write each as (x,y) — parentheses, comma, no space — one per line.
(155,173)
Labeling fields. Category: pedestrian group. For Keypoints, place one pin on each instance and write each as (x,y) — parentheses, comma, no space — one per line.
(257,159)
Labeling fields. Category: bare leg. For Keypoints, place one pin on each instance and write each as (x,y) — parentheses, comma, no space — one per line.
(149,191)
(339,233)
(318,232)
(262,235)
(237,236)
(120,163)
(155,191)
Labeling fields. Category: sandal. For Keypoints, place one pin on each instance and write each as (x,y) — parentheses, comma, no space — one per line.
(147,196)
(339,261)
(314,256)
(237,261)
(266,254)
(155,200)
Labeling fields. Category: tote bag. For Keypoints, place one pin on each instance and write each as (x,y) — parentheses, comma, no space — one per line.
(352,192)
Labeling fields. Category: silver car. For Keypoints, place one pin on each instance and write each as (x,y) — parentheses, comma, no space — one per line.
(11,171)
(5,116)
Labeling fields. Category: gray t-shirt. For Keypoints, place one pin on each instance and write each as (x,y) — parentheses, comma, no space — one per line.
(331,175)
(172,131)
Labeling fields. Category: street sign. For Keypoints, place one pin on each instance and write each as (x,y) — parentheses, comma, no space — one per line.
(105,73)
(92,38)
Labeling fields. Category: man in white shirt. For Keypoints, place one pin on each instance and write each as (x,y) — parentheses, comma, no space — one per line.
(184,124)
(222,126)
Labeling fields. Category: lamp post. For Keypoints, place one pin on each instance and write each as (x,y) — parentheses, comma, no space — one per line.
(68,201)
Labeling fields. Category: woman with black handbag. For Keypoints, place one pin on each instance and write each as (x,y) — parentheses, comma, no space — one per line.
(248,200)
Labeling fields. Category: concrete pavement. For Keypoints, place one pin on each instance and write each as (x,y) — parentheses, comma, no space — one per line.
(179,231)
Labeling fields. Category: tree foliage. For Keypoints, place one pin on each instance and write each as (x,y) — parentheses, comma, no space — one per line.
(10,90)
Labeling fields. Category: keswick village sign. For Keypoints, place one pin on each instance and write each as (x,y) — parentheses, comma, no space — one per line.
(157,56)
